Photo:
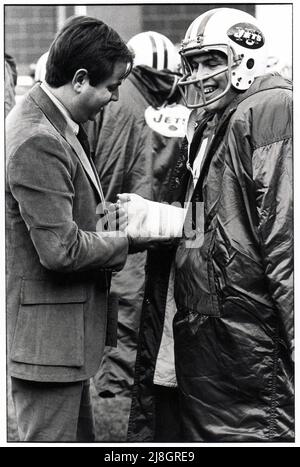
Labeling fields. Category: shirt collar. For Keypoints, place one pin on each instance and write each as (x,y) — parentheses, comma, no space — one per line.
(73,125)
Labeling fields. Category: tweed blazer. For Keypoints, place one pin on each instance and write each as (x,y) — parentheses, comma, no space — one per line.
(58,265)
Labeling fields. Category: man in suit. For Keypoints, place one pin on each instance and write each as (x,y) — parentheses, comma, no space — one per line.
(58,263)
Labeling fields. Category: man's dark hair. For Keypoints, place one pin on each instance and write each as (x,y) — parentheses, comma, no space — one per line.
(85,42)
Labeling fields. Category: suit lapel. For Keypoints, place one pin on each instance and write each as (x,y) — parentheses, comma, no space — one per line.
(56,118)
(73,141)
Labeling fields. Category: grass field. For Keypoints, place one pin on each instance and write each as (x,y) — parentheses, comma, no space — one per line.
(111,417)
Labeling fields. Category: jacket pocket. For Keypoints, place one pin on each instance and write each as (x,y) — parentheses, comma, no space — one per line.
(50,324)
(195,287)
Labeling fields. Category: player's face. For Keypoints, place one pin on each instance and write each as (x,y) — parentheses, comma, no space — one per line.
(203,66)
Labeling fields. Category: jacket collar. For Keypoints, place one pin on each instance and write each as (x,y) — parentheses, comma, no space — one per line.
(262,83)
(58,121)
(158,87)
(61,107)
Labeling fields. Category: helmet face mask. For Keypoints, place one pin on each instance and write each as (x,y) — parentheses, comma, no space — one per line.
(187,79)
(235,34)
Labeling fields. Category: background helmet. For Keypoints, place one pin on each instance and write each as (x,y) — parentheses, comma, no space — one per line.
(40,68)
(155,50)
(233,32)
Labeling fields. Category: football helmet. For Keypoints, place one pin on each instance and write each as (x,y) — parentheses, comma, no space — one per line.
(155,50)
(235,33)
(40,68)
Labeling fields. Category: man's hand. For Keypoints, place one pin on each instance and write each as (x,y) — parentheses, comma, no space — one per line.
(136,209)
(152,219)
(113,218)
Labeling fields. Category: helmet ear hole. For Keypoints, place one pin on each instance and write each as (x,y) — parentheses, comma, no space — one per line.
(250,63)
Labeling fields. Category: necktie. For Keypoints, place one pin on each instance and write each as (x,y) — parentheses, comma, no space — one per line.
(83,139)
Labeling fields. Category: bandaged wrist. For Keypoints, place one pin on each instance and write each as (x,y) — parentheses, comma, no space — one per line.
(163,220)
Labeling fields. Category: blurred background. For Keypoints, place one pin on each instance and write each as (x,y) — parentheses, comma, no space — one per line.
(29,30)
(28,33)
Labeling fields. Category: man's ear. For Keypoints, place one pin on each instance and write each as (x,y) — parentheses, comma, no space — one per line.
(80,78)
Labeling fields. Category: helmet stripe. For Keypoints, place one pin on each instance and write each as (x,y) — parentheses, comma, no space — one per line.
(165,54)
(200,24)
(154,51)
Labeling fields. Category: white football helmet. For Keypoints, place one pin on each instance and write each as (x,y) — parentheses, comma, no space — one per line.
(40,68)
(233,32)
(155,50)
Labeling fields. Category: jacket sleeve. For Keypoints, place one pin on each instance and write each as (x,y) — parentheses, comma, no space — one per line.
(139,173)
(272,175)
(9,89)
(40,176)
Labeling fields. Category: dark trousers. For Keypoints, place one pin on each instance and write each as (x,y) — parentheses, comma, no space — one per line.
(167,420)
(53,412)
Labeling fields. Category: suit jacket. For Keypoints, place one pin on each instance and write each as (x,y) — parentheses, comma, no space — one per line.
(58,265)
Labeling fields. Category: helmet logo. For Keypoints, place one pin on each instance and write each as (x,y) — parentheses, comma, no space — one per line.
(246,35)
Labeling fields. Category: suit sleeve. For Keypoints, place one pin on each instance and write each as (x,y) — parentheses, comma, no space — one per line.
(272,174)
(40,176)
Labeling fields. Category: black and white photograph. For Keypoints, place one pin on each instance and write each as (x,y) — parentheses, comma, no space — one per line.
(148,287)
